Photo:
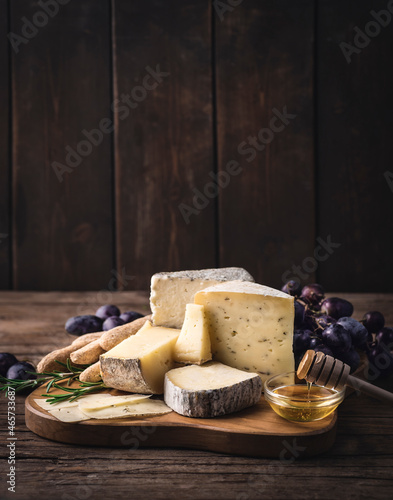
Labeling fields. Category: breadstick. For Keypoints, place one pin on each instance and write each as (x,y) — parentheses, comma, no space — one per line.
(88,354)
(91,374)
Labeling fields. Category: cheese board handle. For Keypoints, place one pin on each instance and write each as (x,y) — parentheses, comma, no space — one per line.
(329,372)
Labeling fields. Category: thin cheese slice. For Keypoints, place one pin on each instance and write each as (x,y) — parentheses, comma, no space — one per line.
(69,414)
(147,408)
(46,405)
(251,326)
(210,390)
(193,345)
(139,363)
(113,401)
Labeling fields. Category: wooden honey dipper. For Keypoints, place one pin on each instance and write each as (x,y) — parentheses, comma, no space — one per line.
(326,371)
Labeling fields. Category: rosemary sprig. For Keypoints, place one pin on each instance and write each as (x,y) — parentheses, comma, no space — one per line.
(53,380)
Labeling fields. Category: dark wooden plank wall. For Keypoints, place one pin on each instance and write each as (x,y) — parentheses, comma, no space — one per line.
(144,200)
(355,146)
(5,236)
(63,235)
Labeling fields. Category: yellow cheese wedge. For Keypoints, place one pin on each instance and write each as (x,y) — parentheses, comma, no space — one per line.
(193,344)
(139,363)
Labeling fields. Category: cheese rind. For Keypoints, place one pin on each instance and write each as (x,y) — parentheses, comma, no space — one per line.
(170,292)
(251,326)
(193,345)
(139,363)
(210,390)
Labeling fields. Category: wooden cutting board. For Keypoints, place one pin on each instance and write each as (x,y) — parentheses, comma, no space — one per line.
(255,432)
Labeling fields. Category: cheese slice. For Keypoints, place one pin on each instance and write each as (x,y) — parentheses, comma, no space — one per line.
(147,408)
(193,344)
(139,363)
(251,326)
(69,414)
(210,390)
(171,292)
(46,405)
(112,401)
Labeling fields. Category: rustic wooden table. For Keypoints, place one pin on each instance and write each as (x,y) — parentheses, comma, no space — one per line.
(358,466)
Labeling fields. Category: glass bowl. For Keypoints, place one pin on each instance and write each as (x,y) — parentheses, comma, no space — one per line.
(297,401)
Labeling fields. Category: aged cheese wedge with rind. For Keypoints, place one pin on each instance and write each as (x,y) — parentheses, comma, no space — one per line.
(193,345)
(139,363)
(251,326)
(147,408)
(171,292)
(210,390)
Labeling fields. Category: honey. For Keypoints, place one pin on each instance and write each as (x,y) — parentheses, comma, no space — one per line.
(303,403)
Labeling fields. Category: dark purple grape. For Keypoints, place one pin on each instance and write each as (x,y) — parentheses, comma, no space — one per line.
(301,340)
(358,332)
(314,342)
(312,294)
(112,322)
(380,361)
(6,361)
(299,314)
(129,316)
(292,288)
(107,311)
(324,348)
(385,336)
(373,321)
(336,308)
(19,370)
(337,338)
(79,325)
(350,358)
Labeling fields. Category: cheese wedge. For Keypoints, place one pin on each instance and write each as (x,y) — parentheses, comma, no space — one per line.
(112,401)
(193,345)
(251,326)
(210,390)
(139,363)
(170,292)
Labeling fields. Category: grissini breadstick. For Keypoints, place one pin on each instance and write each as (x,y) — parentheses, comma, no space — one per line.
(88,354)
(113,337)
(86,339)
(91,374)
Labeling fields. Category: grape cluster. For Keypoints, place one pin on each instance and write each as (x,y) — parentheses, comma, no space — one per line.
(13,369)
(105,318)
(325,325)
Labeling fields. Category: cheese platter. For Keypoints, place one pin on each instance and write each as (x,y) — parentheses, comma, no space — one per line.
(192,374)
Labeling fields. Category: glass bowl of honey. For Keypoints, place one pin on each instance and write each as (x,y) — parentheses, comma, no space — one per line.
(298,401)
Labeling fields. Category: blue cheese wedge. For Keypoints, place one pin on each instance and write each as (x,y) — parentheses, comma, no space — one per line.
(170,292)
(210,390)
(251,326)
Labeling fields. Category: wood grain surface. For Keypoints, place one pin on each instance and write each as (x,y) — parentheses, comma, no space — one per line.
(358,466)
(163,144)
(354,140)
(264,66)
(254,432)
(5,164)
(61,87)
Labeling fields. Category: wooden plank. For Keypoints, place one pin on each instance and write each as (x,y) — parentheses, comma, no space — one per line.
(5,237)
(264,59)
(355,146)
(61,86)
(163,144)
